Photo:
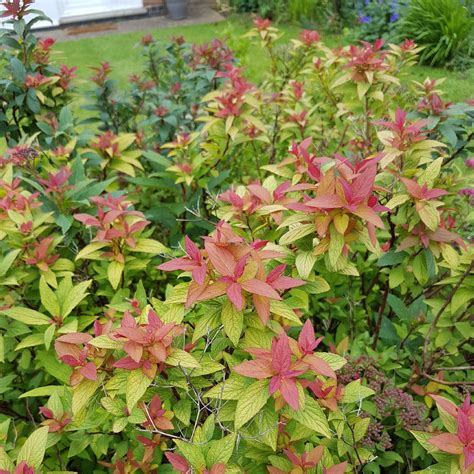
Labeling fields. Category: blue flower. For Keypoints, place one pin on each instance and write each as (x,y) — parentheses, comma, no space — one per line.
(365,19)
(394,17)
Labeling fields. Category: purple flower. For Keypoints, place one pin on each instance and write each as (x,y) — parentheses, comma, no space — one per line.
(365,19)
(469,163)
(467,192)
(394,17)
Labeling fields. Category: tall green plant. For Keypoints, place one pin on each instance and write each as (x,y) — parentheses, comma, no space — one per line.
(443,27)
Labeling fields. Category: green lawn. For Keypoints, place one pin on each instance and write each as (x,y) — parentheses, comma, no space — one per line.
(120,51)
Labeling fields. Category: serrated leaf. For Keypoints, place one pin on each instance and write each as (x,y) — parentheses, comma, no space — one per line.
(48,298)
(251,402)
(311,416)
(233,321)
(90,249)
(334,361)
(137,383)
(74,297)
(149,246)
(104,342)
(297,232)
(114,273)
(304,263)
(192,453)
(180,358)
(354,392)
(280,308)
(33,450)
(335,246)
(27,316)
(220,451)
(82,393)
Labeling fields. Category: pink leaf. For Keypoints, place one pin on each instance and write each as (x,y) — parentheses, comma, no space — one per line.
(89,371)
(261,288)
(281,354)
(255,369)
(447,442)
(222,260)
(178,462)
(336,468)
(289,392)
(326,202)
(234,292)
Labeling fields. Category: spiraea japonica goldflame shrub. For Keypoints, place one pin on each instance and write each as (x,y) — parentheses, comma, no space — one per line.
(309,313)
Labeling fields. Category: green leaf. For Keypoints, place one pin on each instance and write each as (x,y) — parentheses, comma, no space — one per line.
(182,359)
(27,316)
(233,321)
(354,392)
(429,215)
(182,410)
(82,393)
(30,341)
(297,232)
(33,450)
(114,273)
(192,453)
(398,307)
(251,401)
(334,361)
(231,389)
(43,391)
(137,383)
(91,249)
(7,261)
(280,308)
(104,342)
(304,263)
(5,462)
(149,246)
(220,451)
(420,269)
(48,298)
(74,297)
(391,258)
(311,416)
(335,246)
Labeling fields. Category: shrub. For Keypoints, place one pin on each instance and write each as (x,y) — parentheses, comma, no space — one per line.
(34,93)
(444,28)
(301,318)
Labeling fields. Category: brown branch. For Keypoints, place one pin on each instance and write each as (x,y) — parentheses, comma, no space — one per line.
(378,324)
(444,382)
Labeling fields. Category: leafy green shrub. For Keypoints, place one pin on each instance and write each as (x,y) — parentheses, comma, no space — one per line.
(444,28)
(301,318)
(33,92)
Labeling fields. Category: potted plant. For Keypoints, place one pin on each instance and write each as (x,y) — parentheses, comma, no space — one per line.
(177,9)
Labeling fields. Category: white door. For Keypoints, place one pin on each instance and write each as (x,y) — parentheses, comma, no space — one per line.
(97,8)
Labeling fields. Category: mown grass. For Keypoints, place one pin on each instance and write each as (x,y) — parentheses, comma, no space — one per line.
(121,51)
